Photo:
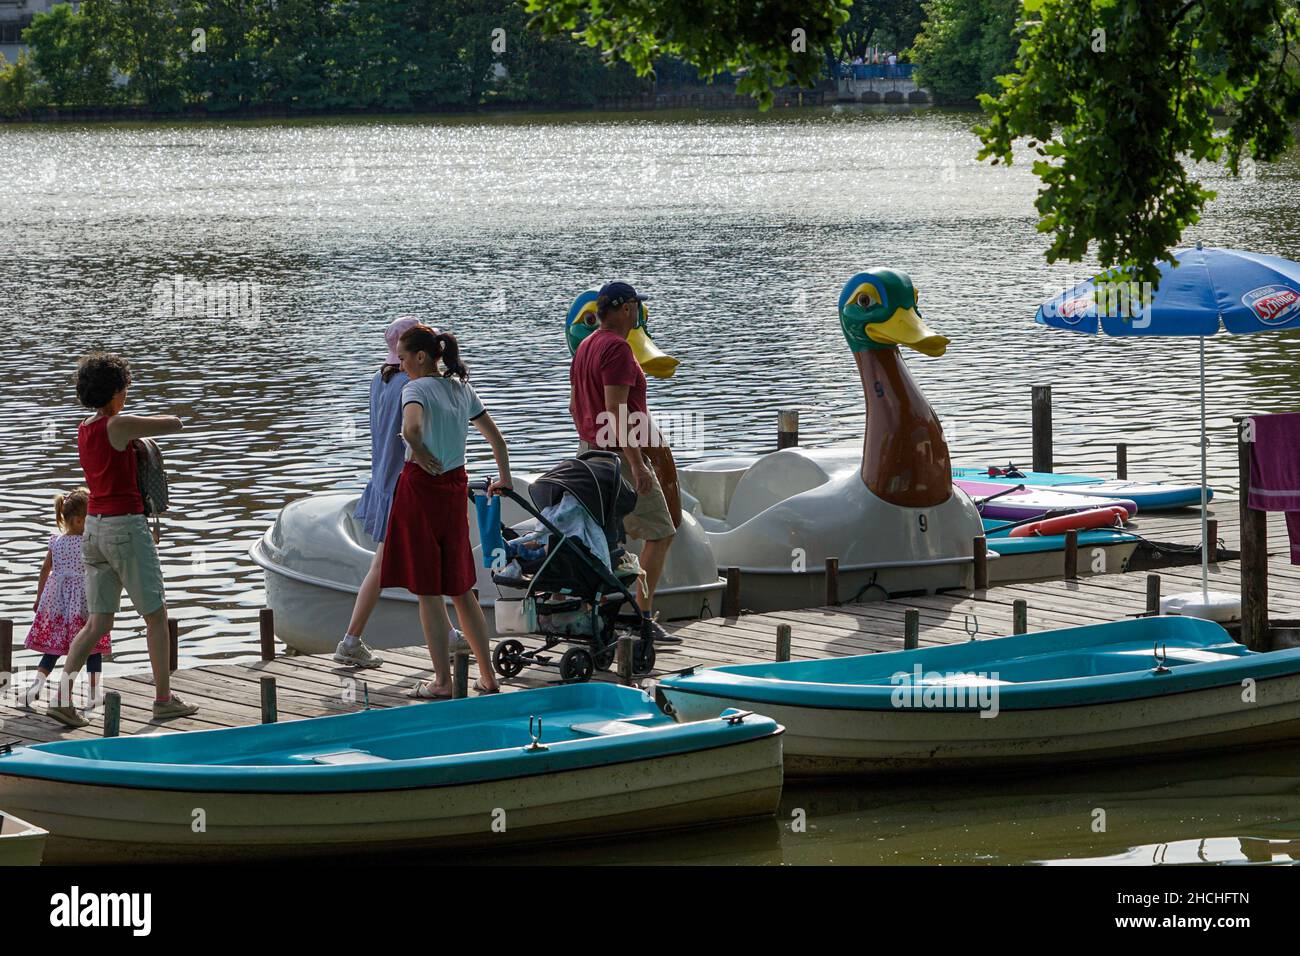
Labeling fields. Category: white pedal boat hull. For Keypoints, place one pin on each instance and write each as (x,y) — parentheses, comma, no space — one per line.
(316,555)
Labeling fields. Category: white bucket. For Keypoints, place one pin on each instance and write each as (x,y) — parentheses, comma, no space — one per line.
(515,615)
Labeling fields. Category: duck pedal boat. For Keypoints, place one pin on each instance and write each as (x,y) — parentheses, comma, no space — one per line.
(570,762)
(1143,688)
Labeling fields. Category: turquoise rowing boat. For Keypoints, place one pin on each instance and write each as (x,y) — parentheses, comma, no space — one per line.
(567,762)
(1144,687)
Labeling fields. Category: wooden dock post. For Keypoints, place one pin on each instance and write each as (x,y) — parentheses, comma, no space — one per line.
(1153,595)
(1071,554)
(266,625)
(112,713)
(1121,461)
(1212,539)
(173,644)
(783,642)
(1042,427)
(832,581)
(911,629)
(6,646)
(460,675)
(625,653)
(1254,553)
(787,428)
(731,596)
(270,712)
(980,549)
(1019,616)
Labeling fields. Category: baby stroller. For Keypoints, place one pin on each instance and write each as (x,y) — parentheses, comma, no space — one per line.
(570,596)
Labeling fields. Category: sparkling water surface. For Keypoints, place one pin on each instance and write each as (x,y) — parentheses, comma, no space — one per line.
(741,227)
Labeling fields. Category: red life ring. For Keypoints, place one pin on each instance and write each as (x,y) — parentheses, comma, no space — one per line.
(1111,517)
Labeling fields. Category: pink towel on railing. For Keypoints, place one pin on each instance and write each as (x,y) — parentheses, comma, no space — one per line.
(1275,471)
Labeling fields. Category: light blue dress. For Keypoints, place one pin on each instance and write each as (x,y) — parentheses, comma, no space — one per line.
(387,453)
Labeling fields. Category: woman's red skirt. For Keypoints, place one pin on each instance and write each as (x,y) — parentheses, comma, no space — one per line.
(426,548)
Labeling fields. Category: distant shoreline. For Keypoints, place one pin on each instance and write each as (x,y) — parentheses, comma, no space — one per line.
(650,102)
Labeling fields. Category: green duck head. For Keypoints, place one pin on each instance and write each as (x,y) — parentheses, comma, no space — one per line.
(878,311)
(581,322)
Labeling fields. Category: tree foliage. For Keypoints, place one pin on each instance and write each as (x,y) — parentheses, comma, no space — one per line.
(767,44)
(1116,95)
(67,54)
(19,88)
(964,45)
(893,23)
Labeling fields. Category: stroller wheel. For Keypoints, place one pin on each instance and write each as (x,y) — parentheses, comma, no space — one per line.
(643,657)
(506,657)
(604,658)
(576,665)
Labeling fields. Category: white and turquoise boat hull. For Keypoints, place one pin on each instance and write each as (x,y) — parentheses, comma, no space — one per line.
(1057,697)
(1043,556)
(442,776)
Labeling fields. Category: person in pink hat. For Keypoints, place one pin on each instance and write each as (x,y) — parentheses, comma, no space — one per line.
(387,456)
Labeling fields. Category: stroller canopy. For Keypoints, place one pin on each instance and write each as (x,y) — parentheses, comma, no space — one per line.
(594,478)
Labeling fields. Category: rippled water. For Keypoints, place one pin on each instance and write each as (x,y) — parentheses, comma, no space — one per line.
(742,227)
(1239,808)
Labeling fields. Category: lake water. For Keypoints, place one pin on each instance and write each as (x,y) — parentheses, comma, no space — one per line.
(742,228)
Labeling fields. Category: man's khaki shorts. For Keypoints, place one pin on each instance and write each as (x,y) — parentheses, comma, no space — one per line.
(119,553)
(650,520)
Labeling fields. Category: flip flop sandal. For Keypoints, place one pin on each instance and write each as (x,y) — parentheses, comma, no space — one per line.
(483,690)
(420,692)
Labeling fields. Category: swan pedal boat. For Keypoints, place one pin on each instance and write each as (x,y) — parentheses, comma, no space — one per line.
(1128,689)
(21,843)
(751,505)
(458,774)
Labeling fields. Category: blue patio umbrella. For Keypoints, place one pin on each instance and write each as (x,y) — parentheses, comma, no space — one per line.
(1211,289)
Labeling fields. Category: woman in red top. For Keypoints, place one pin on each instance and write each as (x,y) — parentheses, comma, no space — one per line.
(118,549)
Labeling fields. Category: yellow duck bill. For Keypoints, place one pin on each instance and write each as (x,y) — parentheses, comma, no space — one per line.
(650,357)
(905,327)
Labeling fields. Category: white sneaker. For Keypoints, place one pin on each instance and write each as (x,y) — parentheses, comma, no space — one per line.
(359,656)
(173,707)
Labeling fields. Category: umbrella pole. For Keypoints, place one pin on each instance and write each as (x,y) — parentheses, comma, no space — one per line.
(1205,532)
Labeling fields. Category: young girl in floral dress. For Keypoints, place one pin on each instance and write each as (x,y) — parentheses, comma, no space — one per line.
(61,596)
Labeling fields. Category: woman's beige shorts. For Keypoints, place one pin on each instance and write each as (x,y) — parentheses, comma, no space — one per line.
(120,553)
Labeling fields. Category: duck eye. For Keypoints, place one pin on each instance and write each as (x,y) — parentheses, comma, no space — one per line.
(589,320)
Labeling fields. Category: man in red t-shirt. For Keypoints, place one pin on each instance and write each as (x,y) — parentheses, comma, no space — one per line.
(608,404)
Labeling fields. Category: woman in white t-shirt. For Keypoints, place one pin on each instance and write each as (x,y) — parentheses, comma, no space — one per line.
(427,548)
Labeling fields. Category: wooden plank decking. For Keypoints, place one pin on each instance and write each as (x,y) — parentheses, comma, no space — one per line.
(310,686)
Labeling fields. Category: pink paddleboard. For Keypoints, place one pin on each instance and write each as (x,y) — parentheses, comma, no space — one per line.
(1031,502)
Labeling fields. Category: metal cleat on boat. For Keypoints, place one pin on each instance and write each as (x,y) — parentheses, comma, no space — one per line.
(536,745)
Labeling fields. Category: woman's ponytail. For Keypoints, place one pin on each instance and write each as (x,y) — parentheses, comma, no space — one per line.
(449,352)
(440,345)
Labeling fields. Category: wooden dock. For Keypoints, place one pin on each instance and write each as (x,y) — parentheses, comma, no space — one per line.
(312,686)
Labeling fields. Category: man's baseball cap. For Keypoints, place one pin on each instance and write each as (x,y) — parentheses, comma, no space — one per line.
(614,294)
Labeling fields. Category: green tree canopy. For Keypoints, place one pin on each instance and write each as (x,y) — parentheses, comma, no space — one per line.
(1116,96)
(69,57)
(771,43)
(964,46)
